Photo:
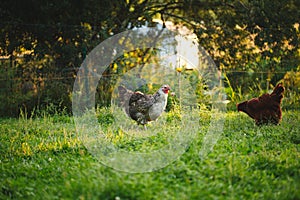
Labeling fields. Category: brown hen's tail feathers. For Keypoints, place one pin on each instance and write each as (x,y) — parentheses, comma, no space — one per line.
(277,93)
(278,90)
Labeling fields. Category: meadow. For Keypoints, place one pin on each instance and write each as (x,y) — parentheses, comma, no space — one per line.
(42,157)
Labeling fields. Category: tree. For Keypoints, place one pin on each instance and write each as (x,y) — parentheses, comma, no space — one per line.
(55,36)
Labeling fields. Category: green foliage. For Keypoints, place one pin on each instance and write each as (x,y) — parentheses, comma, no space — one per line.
(242,37)
(104,116)
(58,94)
(291,80)
(45,156)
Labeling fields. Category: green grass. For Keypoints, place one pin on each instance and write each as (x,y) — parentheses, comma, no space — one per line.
(43,158)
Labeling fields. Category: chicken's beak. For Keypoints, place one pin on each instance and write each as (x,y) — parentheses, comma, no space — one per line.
(166,89)
(237,107)
(241,107)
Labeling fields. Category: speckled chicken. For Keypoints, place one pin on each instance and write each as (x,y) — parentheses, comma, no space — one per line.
(141,107)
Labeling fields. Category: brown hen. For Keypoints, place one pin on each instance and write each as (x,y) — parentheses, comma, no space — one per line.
(266,108)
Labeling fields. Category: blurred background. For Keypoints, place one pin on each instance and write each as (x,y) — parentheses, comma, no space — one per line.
(255,45)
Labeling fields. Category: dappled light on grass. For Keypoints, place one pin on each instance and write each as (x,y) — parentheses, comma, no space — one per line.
(131,148)
(247,162)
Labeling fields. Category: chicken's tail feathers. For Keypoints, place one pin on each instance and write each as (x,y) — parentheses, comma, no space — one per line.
(278,92)
(122,90)
(279,89)
(124,95)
